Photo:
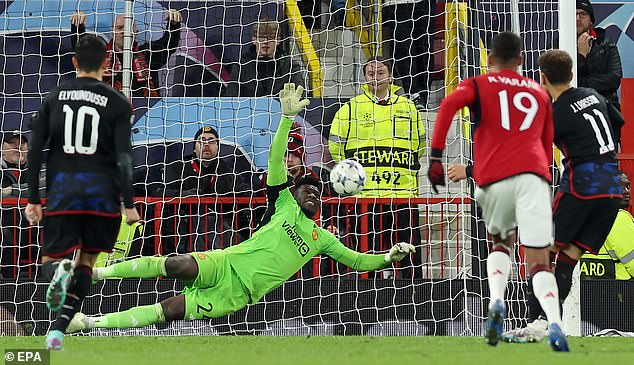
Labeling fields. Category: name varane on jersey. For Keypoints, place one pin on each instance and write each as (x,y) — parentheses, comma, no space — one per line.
(511,117)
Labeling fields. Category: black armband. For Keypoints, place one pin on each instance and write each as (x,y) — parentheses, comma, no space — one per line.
(436,153)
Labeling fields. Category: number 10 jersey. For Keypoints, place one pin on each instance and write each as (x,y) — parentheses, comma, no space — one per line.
(87,125)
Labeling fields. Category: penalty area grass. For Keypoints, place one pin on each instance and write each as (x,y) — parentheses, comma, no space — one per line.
(350,350)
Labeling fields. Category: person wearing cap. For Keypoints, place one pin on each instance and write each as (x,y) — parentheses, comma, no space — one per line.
(598,61)
(199,174)
(264,67)
(14,162)
(295,161)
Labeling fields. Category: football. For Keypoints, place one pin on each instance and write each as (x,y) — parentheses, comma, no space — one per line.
(348,177)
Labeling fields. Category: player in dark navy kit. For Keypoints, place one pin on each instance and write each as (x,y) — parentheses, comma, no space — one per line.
(89,169)
(587,201)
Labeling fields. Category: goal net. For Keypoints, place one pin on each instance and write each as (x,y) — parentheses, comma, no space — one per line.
(204,72)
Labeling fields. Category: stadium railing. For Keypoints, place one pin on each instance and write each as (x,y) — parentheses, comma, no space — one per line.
(202,223)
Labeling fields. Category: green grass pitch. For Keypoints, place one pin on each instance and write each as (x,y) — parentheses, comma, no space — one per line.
(260,350)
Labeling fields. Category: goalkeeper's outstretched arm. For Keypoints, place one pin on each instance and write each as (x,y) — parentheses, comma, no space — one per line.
(363,261)
(292,103)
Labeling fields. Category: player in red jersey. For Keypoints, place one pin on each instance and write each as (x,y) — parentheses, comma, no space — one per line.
(513,138)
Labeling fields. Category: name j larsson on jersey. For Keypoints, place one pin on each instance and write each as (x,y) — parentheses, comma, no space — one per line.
(298,241)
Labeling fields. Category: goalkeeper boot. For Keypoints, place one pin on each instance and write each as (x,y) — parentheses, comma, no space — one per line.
(79,322)
(56,292)
(54,340)
(557,339)
(494,323)
(533,332)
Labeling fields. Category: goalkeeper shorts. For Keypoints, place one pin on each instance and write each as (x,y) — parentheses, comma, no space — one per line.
(217,290)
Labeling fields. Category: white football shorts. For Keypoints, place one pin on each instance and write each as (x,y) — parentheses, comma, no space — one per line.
(522,201)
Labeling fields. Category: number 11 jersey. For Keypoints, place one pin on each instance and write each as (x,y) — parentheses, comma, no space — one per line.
(87,125)
(584,132)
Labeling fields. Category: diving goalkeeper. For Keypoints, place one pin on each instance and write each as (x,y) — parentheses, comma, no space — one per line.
(221,282)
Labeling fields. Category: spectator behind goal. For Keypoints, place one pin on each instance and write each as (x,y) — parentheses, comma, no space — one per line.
(204,174)
(147,58)
(13,165)
(378,122)
(264,67)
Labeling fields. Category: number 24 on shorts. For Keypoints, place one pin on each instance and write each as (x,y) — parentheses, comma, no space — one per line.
(387,177)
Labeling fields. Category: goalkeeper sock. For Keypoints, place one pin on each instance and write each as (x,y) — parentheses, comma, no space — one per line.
(143,267)
(545,290)
(498,268)
(133,317)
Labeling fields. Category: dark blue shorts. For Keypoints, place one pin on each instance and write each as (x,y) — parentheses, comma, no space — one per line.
(65,233)
(584,223)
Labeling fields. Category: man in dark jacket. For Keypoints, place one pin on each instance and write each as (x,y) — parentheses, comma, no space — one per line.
(598,60)
(202,174)
(264,67)
(13,164)
(147,58)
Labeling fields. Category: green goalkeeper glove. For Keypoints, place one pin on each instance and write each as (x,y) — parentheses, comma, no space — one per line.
(291,100)
(399,251)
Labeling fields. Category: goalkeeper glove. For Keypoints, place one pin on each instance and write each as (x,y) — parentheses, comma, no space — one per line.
(291,100)
(436,172)
(399,251)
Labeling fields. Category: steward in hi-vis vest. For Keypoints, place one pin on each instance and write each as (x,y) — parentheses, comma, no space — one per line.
(383,132)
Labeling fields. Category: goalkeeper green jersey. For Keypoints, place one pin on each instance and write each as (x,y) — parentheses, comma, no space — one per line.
(286,238)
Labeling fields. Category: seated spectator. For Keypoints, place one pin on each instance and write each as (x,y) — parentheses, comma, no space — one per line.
(295,161)
(15,149)
(201,174)
(264,67)
(13,164)
(147,58)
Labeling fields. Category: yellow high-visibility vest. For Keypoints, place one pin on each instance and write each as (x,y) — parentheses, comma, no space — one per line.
(616,257)
(387,140)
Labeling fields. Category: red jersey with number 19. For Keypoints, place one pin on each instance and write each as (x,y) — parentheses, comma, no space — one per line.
(512,123)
